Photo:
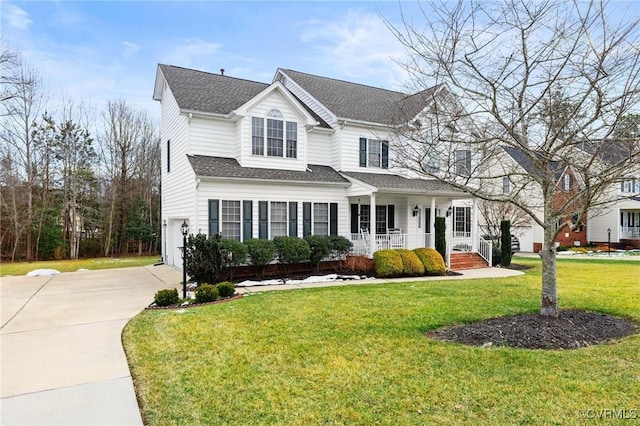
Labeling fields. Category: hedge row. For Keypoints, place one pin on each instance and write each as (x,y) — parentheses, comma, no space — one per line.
(413,263)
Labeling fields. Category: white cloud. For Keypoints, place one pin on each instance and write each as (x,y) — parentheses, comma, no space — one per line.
(129,48)
(16,17)
(358,45)
(191,52)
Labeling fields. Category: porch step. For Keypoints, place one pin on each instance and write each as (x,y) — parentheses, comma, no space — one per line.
(467,261)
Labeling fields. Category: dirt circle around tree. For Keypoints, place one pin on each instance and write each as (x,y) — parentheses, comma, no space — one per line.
(572,329)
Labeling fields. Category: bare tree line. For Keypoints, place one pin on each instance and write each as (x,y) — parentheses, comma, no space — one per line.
(66,189)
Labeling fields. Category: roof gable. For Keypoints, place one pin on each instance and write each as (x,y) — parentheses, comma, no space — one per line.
(207,92)
(354,101)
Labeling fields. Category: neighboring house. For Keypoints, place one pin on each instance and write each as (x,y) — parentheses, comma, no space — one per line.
(621,217)
(514,164)
(302,155)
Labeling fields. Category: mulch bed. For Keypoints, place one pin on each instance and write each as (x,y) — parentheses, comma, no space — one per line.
(571,330)
(193,305)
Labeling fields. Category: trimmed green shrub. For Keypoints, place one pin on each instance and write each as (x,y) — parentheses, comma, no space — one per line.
(340,246)
(320,247)
(432,261)
(261,253)
(496,254)
(291,249)
(411,263)
(388,263)
(226,289)
(206,293)
(505,243)
(167,297)
(204,258)
(441,239)
(234,253)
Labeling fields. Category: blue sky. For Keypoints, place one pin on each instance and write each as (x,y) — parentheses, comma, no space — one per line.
(100,50)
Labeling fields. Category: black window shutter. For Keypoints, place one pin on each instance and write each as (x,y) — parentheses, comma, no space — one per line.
(168,155)
(306,219)
(385,155)
(333,219)
(247,219)
(213,217)
(263,219)
(293,219)
(363,152)
(354,219)
(391,216)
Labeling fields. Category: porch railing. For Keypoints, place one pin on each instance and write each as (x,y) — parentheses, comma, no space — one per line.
(485,250)
(630,232)
(362,242)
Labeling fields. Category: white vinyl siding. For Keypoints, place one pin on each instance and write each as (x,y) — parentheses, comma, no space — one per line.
(210,136)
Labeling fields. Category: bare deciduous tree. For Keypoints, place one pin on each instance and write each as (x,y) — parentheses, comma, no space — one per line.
(547,82)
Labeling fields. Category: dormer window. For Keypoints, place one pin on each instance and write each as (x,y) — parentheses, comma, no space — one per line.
(275,136)
(566,182)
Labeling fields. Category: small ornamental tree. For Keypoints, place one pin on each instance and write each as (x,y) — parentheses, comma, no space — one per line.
(441,239)
(505,243)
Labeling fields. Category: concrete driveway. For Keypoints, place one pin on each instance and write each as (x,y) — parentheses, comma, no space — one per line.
(62,361)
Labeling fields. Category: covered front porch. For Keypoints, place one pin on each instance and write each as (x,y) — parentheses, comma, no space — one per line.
(389,212)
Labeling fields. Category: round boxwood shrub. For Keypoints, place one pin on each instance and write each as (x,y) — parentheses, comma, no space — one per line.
(388,263)
(261,252)
(432,261)
(234,253)
(340,246)
(167,297)
(411,264)
(291,249)
(206,293)
(226,289)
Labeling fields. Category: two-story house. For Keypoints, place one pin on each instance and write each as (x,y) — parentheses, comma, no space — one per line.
(513,169)
(301,155)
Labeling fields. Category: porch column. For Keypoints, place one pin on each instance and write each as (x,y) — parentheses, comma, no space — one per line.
(432,227)
(474,226)
(372,224)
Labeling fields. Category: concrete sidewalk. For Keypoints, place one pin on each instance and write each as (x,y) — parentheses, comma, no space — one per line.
(62,360)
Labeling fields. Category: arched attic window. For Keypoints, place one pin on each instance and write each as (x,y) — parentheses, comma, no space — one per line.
(274,113)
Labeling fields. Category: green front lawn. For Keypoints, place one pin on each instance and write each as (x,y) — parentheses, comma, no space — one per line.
(358,355)
(23,268)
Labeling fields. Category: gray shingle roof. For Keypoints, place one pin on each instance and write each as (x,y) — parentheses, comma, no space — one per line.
(222,167)
(360,102)
(530,166)
(208,92)
(388,182)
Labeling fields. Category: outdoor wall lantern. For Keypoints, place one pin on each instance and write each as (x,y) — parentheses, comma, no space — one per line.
(416,210)
(609,241)
(449,210)
(184,228)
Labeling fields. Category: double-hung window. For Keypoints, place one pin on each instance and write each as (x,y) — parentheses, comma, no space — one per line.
(506,185)
(281,136)
(320,218)
(231,219)
(274,138)
(463,162)
(278,219)
(292,139)
(374,153)
(257,136)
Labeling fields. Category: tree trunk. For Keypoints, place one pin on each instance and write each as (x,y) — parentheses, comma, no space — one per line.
(549,297)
